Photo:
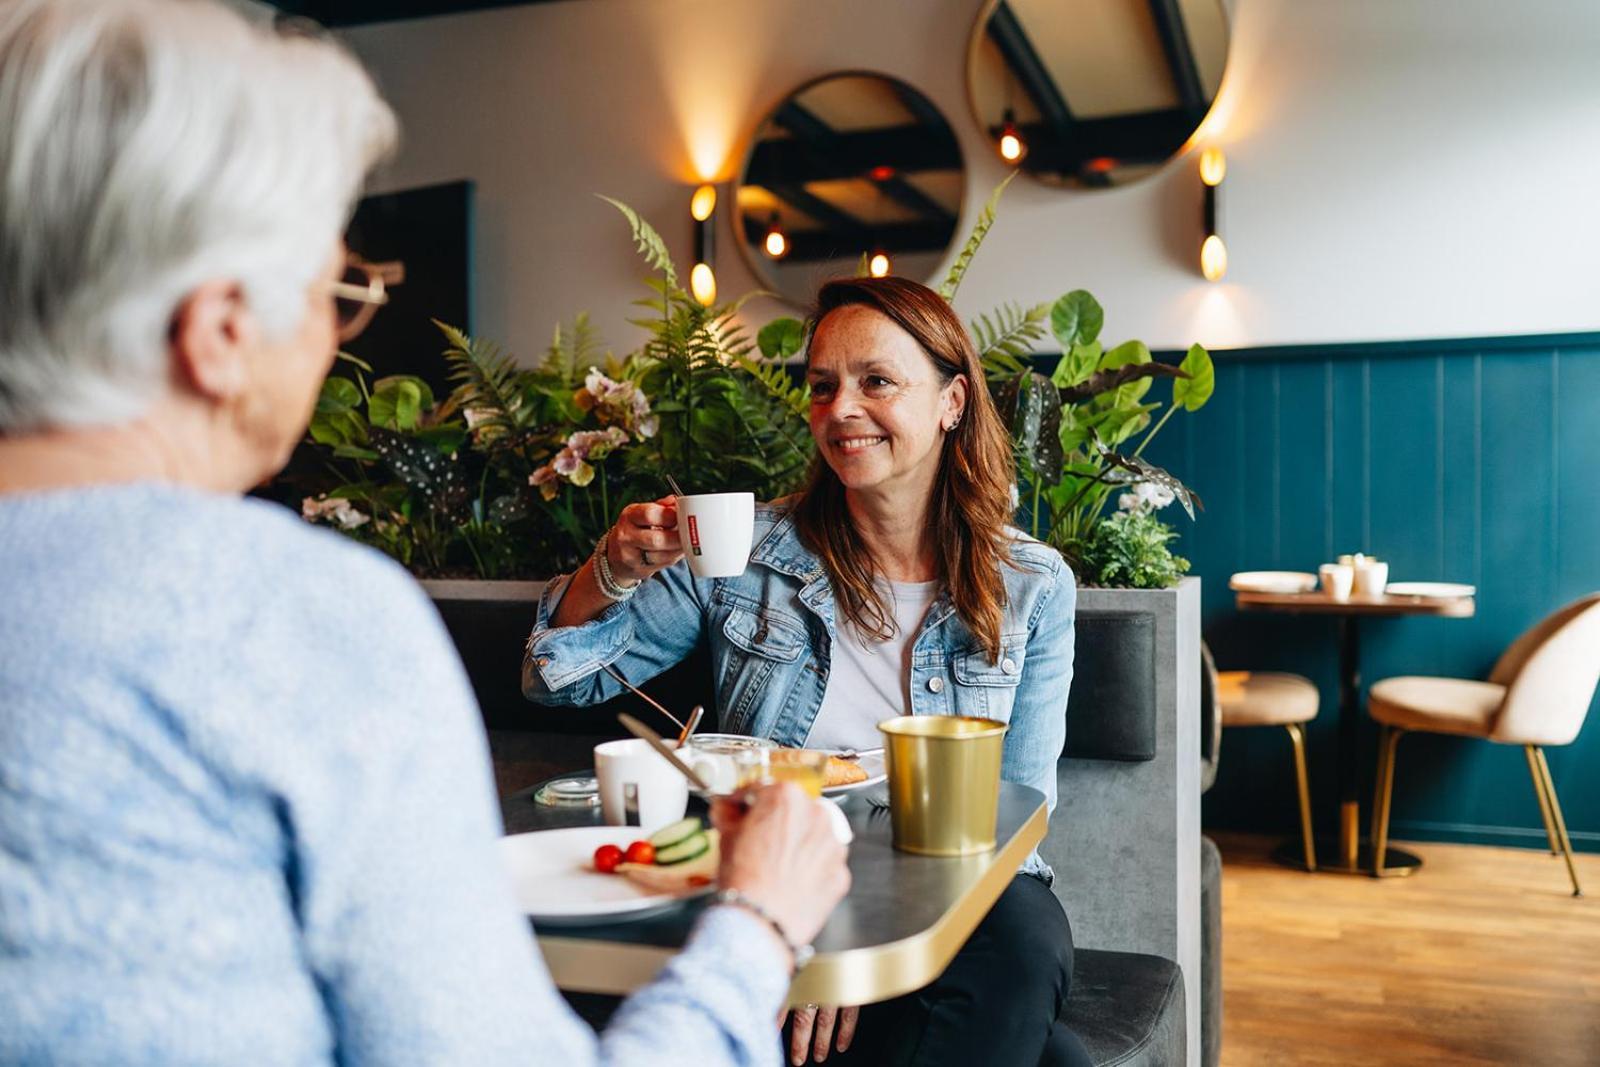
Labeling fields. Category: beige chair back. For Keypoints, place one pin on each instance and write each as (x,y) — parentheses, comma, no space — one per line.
(1550,674)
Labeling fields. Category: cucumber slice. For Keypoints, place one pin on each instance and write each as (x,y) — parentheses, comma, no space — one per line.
(681,830)
(683,851)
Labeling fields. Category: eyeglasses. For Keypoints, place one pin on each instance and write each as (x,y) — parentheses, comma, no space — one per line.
(359,293)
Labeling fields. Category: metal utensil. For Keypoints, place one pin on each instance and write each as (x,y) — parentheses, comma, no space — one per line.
(676,491)
(653,739)
(695,715)
(854,753)
(646,697)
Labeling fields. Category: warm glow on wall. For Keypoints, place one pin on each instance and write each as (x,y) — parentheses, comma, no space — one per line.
(703,284)
(1213,258)
(878,266)
(703,203)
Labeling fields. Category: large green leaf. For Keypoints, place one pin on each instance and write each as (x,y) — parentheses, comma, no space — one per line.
(781,338)
(1076,319)
(398,402)
(1106,380)
(1193,392)
(338,394)
(1126,354)
(1076,365)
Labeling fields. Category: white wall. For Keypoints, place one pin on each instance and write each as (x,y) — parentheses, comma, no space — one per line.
(1397,168)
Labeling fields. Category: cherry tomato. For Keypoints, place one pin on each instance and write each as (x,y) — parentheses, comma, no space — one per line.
(606,858)
(641,852)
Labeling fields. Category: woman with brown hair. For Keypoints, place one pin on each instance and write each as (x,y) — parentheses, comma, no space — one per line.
(893,584)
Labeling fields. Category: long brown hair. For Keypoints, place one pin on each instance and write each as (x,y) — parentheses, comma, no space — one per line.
(971,505)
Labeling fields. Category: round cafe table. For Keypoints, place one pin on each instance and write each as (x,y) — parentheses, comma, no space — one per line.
(1350,855)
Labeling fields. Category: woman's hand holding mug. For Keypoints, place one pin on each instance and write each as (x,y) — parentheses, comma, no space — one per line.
(644,540)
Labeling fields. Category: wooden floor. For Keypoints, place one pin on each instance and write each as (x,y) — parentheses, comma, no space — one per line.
(1482,957)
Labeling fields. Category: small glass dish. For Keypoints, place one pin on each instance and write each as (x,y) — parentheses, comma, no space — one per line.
(569,791)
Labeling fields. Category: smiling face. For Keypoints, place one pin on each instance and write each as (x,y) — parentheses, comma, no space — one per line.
(879,411)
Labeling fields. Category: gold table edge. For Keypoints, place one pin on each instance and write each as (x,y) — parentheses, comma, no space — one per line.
(851,976)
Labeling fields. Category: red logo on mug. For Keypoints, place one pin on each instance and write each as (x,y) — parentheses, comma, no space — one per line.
(694,534)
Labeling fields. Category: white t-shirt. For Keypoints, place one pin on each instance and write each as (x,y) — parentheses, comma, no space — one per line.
(869,681)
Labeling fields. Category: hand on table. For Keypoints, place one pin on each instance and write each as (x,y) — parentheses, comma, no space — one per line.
(779,850)
(817,1030)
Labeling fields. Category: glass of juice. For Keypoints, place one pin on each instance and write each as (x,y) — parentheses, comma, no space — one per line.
(805,768)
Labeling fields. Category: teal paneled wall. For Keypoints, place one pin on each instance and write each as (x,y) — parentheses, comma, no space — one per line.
(1472,461)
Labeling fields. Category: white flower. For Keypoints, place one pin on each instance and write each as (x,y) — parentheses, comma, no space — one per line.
(475,417)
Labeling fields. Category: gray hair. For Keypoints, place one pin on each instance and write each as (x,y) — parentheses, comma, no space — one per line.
(146,147)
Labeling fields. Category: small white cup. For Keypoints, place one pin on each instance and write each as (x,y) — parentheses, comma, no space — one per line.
(717,529)
(638,787)
(1371,577)
(714,757)
(1337,579)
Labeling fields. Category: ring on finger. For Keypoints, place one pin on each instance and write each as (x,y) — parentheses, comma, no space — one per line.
(808,1007)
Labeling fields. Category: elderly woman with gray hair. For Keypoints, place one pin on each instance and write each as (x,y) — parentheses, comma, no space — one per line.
(246,813)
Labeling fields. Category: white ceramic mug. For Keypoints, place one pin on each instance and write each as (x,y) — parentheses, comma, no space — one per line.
(713,757)
(1371,577)
(1337,579)
(717,529)
(638,787)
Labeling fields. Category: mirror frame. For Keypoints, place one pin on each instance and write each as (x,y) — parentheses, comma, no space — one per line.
(974,40)
(754,259)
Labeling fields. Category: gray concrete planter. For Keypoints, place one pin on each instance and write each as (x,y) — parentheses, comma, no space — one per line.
(1125,837)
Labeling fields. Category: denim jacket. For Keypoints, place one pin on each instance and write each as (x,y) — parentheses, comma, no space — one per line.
(771,630)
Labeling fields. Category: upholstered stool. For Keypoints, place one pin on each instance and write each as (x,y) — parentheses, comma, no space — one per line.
(1537,695)
(1263,698)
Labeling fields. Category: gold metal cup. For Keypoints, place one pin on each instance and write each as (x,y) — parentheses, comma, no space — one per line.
(944,782)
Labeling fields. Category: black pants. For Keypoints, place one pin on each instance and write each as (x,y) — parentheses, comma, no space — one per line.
(996,1004)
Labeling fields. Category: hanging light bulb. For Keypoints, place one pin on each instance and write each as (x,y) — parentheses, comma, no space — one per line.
(1213,165)
(878,266)
(776,244)
(703,284)
(1012,146)
(1213,258)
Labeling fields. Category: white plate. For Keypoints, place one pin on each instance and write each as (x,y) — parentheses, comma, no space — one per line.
(553,880)
(877,773)
(1273,582)
(1431,590)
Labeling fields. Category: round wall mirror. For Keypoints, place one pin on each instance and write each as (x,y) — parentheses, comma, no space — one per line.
(1094,93)
(849,165)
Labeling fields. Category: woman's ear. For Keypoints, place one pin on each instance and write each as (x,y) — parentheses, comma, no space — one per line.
(210,339)
(955,403)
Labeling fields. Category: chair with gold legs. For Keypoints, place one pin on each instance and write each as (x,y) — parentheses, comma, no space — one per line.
(1264,698)
(1537,695)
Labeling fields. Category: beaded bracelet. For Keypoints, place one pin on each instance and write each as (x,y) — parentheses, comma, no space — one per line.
(610,588)
(802,953)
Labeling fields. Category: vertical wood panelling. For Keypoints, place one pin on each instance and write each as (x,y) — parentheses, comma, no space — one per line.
(1453,463)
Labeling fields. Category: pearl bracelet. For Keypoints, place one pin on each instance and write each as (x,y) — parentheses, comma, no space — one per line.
(732,897)
(610,588)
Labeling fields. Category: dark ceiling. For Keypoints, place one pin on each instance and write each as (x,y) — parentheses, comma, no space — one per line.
(358,12)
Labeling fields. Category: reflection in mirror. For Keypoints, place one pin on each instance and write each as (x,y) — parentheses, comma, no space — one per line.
(849,165)
(1094,93)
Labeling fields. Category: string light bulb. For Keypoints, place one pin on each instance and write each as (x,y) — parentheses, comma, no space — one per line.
(1012,146)
(776,244)
(878,266)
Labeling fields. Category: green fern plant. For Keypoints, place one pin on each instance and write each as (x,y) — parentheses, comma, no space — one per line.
(980,230)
